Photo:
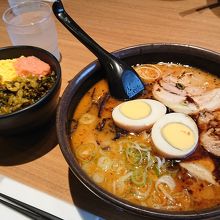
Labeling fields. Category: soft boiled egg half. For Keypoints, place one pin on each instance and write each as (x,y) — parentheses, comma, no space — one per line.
(175,135)
(138,115)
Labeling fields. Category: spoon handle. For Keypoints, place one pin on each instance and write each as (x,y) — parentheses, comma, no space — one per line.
(78,32)
(124,82)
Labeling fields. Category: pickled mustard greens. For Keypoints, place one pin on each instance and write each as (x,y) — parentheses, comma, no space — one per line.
(24,91)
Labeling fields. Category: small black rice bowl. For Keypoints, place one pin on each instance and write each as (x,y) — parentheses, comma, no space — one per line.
(39,113)
(150,53)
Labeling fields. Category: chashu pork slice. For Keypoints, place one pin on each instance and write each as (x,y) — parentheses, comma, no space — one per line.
(210,140)
(186,103)
(209,101)
(201,169)
(209,124)
(176,102)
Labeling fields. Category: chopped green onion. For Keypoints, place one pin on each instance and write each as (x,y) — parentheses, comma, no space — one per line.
(87,118)
(180,86)
(139,177)
(86,152)
(134,155)
(104,163)
(156,170)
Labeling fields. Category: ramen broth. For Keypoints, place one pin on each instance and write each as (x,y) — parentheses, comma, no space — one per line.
(125,163)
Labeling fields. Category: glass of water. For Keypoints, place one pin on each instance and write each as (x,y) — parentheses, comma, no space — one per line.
(31,23)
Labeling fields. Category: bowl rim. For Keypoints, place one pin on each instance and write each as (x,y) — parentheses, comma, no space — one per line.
(45,97)
(64,139)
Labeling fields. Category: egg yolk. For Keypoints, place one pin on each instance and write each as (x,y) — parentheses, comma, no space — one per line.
(135,109)
(178,135)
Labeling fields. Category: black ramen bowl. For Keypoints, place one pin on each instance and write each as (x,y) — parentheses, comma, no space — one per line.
(149,53)
(39,113)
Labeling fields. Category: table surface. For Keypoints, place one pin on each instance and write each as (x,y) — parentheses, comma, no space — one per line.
(36,160)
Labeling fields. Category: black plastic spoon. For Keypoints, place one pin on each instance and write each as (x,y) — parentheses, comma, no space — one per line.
(123,81)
